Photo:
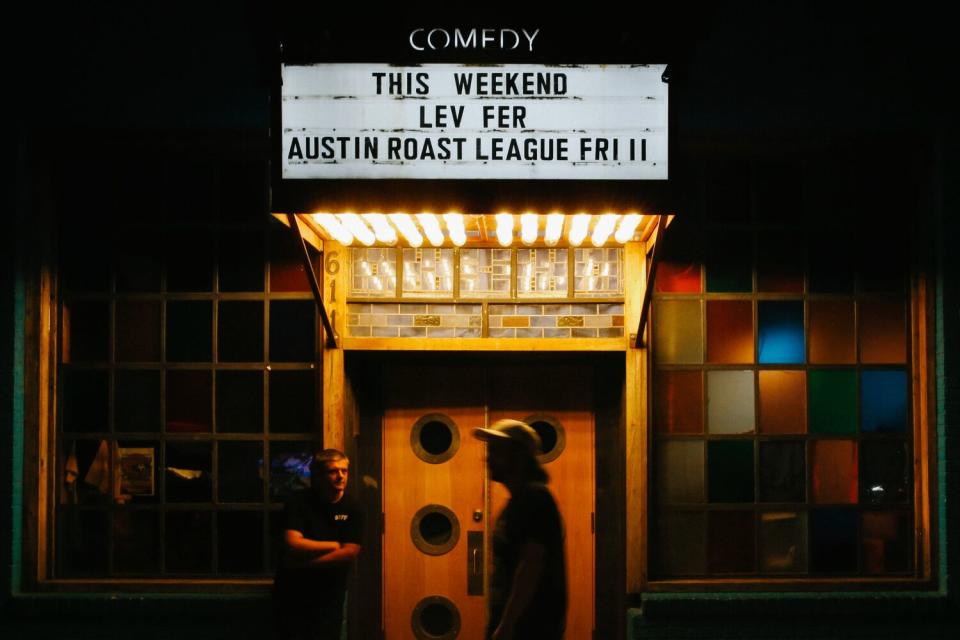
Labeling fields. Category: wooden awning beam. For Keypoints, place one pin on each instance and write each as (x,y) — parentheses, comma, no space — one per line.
(651,277)
(331,336)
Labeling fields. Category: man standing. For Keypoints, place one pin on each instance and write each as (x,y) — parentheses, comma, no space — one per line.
(528,588)
(323,531)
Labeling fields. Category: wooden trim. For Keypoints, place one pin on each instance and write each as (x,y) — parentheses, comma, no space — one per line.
(923,355)
(483,344)
(308,229)
(335,279)
(635,410)
(329,334)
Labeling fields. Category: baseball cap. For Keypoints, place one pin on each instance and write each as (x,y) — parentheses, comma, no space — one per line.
(511,431)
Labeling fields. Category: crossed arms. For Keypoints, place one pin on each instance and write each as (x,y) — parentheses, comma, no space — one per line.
(304,552)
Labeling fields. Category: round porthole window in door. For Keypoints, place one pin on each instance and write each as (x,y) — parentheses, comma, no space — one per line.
(435,618)
(552,436)
(434,529)
(435,438)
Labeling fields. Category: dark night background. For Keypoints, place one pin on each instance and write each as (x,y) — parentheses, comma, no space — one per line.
(755,70)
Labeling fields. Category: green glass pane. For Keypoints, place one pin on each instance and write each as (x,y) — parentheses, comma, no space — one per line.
(833,401)
(678,332)
(730,470)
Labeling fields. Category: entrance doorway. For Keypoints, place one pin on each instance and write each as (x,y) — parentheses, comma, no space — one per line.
(439,506)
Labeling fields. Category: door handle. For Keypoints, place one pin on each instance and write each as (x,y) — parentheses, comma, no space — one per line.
(474,563)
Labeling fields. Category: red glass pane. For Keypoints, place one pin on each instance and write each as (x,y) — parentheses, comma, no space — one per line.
(729,331)
(678,277)
(835,472)
(286,263)
(783,402)
(832,332)
(883,331)
(678,402)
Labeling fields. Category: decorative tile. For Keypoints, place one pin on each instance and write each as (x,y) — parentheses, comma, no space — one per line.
(359,332)
(543,321)
(556,309)
(503,333)
(611,332)
(516,321)
(426,321)
(570,321)
(413,332)
(399,321)
(597,321)
(385,332)
(584,333)
(556,333)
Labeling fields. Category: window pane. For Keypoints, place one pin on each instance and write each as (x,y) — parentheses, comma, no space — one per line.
(729,331)
(782,471)
(783,402)
(289,467)
(780,262)
(730,470)
(240,336)
(137,401)
(138,331)
(188,401)
(486,273)
(84,405)
(84,535)
(190,260)
(188,471)
(241,261)
(780,334)
(833,540)
(286,262)
(189,331)
(542,272)
(292,331)
(678,277)
(886,542)
(428,272)
(240,541)
(678,401)
(730,542)
(679,471)
(86,330)
(783,542)
(677,332)
(730,263)
(832,338)
(239,401)
(883,401)
(680,542)
(730,407)
(188,539)
(293,401)
(598,272)
(884,471)
(85,471)
(834,471)
(373,272)
(136,541)
(240,471)
(883,331)
(833,401)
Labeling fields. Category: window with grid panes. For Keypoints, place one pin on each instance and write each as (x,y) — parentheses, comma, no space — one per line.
(188,395)
(782,413)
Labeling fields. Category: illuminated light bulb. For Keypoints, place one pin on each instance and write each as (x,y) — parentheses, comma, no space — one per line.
(381,228)
(404,223)
(528,228)
(455,228)
(603,228)
(358,228)
(578,228)
(431,227)
(628,226)
(554,229)
(329,223)
(504,229)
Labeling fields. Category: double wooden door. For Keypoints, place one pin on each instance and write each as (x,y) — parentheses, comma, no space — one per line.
(439,506)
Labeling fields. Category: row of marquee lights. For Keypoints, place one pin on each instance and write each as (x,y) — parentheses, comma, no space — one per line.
(369,229)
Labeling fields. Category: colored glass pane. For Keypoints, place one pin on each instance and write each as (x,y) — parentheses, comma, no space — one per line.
(239,401)
(680,540)
(834,471)
(884,471)
(780,262)
(782,471)
(883,331)
(286,263)
(831,262)
(678,277)
(833,401)
(780,332)
(138,331)
(292,331)
(677,332)
(885,542)
(239,542)
(783,542)
(783,402)
(730,331)
(679,471)
(136,401)
(883,401)
(832,335)
(730,406)
(833,540)
(85,330)
(289,468)
(189,401)
(730,471)
(190,551)
(730,541)
(678,401)
(293,401)
(240,332)
(729,265)
(189,331)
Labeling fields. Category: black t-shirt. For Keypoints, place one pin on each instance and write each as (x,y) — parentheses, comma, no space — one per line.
(531,515)
(316,519)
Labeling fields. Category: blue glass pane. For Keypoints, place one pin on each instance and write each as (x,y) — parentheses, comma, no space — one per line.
(883,401)
(780,337)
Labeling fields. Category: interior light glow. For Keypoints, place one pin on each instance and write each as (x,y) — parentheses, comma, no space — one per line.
(504,229)
(431,227)
(455,228)
(358,228)
(578,229)
(404,223)
(554,229)
(603,228)
(329,223)
(381,228)
(628,226)
(528,228)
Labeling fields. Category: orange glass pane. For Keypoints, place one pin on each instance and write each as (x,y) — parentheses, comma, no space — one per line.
(729,331)
(883,331)
(678,277)
(835,472)
(678,402)
(783,402)
(832,332)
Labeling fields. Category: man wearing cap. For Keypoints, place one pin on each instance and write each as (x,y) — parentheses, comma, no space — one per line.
(528,588)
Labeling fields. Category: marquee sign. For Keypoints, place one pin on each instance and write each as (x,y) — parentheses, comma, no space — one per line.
(445,121)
